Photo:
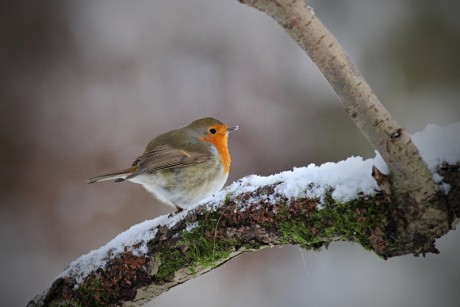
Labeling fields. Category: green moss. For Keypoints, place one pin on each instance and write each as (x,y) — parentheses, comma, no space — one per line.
(198,248)
(301,224)
(227,198)
(205,252)
(352,221)
(92,293)
(171,261)
(65,304)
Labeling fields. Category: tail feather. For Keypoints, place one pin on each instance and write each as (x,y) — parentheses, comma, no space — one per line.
(118,176)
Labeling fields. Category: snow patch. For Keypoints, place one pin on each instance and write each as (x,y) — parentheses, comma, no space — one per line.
(438,144)
(138,234)
(345,179)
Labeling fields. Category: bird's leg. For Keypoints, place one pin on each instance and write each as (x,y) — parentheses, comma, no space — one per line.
(178,209)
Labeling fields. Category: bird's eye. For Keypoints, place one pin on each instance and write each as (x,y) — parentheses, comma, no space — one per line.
(212,131)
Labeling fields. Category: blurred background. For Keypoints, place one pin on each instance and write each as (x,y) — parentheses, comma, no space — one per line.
(84,85)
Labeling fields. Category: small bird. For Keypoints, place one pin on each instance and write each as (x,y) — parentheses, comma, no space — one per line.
(183,166)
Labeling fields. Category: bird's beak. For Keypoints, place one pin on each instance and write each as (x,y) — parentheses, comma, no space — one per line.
(234,128)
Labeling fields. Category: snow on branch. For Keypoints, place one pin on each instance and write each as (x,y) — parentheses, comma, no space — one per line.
(308,206)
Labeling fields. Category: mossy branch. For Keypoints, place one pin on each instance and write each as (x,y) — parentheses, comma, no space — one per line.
(410,179)
(211,234)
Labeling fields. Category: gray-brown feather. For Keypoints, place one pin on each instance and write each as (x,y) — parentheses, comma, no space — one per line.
(164,156)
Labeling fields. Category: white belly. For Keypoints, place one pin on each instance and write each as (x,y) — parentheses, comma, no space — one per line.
(184,190)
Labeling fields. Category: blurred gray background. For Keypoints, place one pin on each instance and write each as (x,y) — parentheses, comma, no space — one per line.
(85,84)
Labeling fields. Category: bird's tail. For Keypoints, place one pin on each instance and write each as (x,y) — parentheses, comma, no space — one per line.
(118,176)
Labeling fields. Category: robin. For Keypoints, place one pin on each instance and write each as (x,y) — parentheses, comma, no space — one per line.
(183,166)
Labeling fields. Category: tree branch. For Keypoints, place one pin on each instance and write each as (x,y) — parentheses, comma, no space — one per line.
(157,255)
(410,179)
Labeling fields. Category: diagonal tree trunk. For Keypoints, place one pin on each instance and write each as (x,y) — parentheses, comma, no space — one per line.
(410,180)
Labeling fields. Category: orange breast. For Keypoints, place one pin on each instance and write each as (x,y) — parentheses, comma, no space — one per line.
(219,140)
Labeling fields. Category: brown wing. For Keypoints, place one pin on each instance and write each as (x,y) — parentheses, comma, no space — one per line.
(166,157)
